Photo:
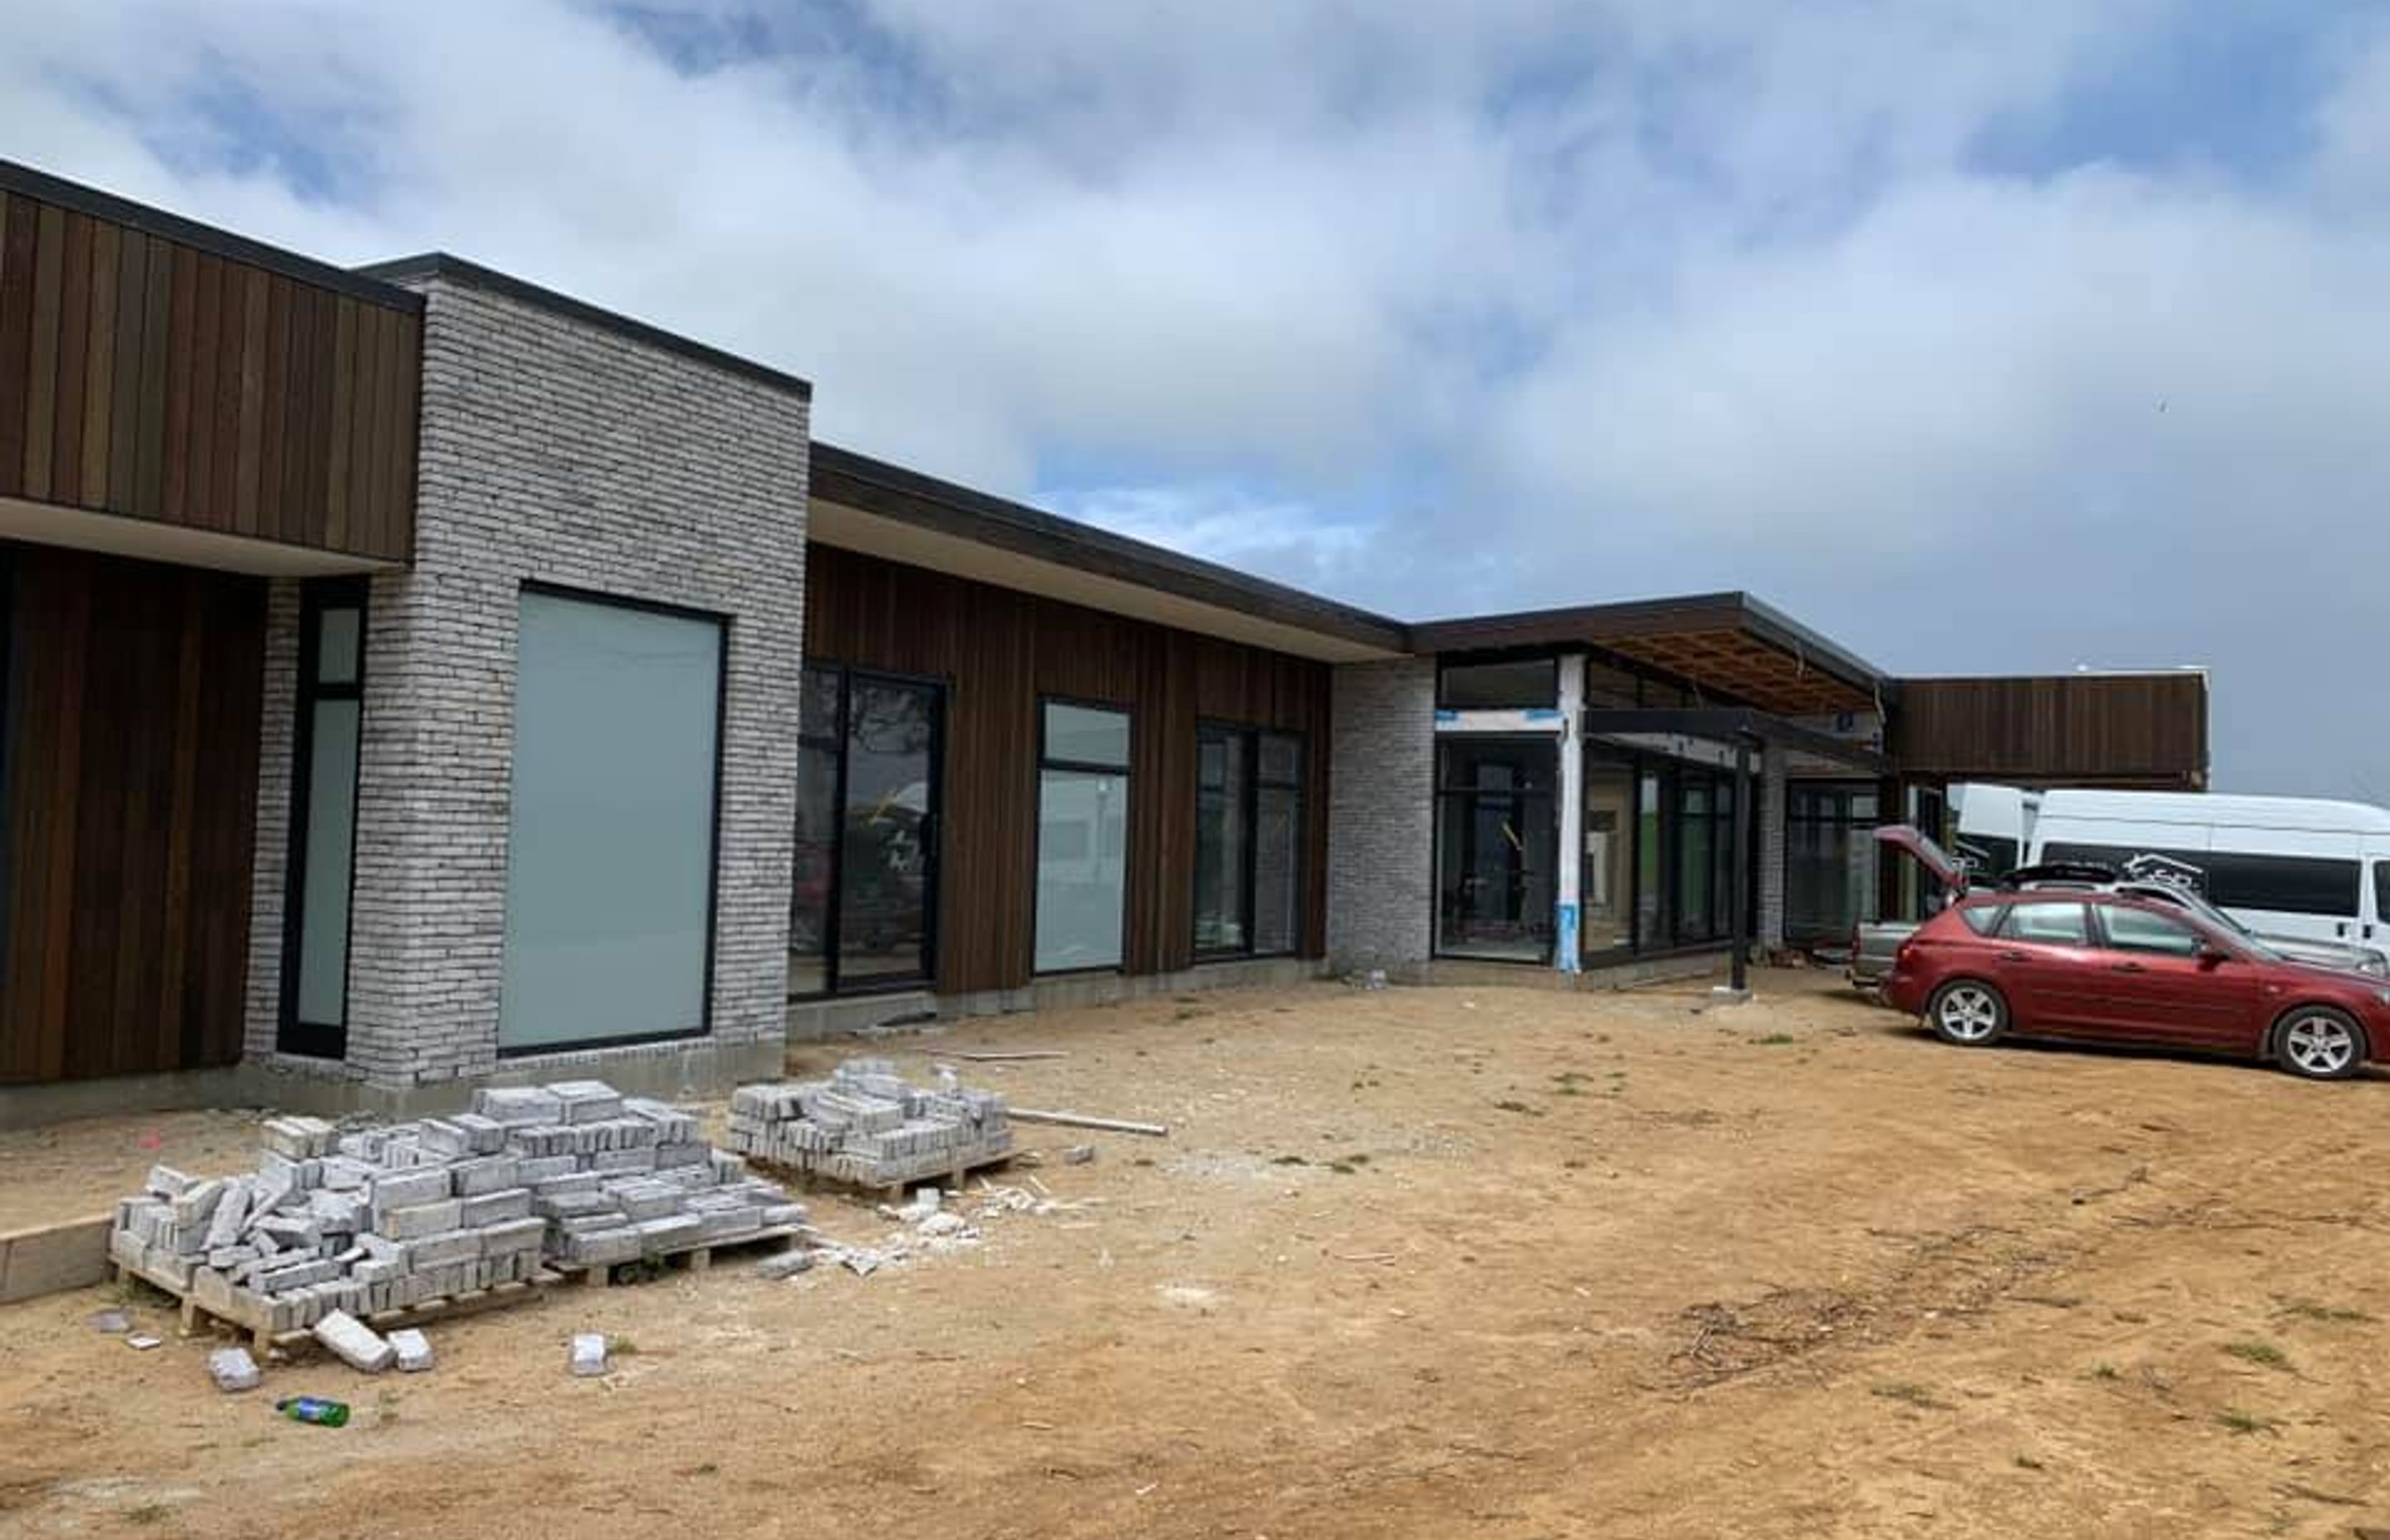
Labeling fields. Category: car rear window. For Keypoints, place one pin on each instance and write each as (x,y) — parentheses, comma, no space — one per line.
(1984,918)
(2050,923)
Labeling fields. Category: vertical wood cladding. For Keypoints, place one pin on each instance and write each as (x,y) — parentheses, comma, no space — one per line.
(144,377)
(2090,729)
(130,742)
(999,651)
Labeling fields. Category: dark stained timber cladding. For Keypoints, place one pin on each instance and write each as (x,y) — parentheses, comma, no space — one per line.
(998,653)
(161,381)
(2099,729)
(134,708)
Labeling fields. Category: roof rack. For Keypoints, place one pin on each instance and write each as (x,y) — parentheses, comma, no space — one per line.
(2060,871)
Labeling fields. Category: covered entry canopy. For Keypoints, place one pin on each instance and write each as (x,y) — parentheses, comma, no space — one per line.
(1729,646)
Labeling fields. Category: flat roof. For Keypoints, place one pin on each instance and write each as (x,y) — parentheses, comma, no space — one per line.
(1728,641)
(26,182)
(881,508)
(454,269)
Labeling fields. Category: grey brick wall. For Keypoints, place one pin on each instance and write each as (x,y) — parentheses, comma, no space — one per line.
(1770,926)
(272,848)
(1381,816)
(555,451)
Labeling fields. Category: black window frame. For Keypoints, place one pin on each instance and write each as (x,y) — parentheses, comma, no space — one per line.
(933,894)
(1449,793)
(1250,806)
(1550,663)
(302,1039)
(2381,865)
(1125,770)
(8,748)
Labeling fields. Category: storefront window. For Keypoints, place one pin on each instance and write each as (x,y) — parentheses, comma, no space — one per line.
(1496,845)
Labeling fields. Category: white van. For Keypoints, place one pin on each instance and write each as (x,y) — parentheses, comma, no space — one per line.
(2282,865)
(1992,828)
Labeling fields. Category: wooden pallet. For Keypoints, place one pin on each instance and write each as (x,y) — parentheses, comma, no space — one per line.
(950,1177)
(447,1308)
(695,1259)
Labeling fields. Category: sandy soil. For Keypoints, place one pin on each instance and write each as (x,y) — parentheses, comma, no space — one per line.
(1500,1262)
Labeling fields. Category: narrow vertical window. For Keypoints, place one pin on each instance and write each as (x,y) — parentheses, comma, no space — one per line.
(1223,839)
(1082,793)
(327,736)
(1277,841)
(8,747)
(821,730)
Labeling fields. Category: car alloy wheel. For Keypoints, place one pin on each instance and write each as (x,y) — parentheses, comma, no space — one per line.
(1967,1013)
(2321,1045)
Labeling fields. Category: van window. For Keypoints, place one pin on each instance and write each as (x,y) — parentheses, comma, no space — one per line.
(2382,891)
(2231,879)
(2050,924)
(2139,930)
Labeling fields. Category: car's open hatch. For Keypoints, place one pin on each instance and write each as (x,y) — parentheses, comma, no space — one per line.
(1911,840)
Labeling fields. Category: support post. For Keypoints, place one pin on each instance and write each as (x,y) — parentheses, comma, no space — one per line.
(1740,906)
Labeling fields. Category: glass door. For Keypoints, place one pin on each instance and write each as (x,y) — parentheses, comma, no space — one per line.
(887,847)
(1497,844)
(864,899)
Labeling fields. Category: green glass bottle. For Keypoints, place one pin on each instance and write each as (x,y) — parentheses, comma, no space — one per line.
(314,1409)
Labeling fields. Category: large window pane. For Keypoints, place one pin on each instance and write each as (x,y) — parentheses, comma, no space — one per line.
(1496,849)
(819,730)
(1082,867)
(885,864)
(1221,842)
(1655,823)
(1606,878)
(1694,844)
(331,846)
(609,846)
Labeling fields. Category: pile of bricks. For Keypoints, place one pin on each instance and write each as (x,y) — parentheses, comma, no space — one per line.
(864,1125)
(384,1218)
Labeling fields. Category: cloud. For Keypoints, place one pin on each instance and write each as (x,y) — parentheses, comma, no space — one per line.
(1883,311)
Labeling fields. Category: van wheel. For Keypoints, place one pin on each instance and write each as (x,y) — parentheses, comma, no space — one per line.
(1968,1012)
(2319,1043)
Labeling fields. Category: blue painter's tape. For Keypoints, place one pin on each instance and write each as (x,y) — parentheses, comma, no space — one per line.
(1543,713)
(1564,951)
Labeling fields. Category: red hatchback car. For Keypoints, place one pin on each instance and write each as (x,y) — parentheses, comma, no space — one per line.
(2106,967)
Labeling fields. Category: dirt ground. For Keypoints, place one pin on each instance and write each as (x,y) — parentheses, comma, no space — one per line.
(1500,1262)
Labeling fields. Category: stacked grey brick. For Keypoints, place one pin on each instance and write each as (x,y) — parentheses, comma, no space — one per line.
(863,1124)
(1381,816)
(557,450)
(383,1218)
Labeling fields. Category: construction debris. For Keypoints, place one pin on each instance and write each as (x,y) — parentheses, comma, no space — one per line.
(1079,1155)
(588,1355)
(1016,1056)
(413,1349)
(233,1369)
(354,1343)
(111,1323)
(866,1126)
(387,1217)
(1080,1119)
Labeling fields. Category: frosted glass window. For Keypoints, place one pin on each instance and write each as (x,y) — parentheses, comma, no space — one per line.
(610,839)
(1082,869)
(1081,837)
(1085,735)
(331,846)
(336,647)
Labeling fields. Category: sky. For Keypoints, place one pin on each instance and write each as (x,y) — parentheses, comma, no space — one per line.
(1984,336)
